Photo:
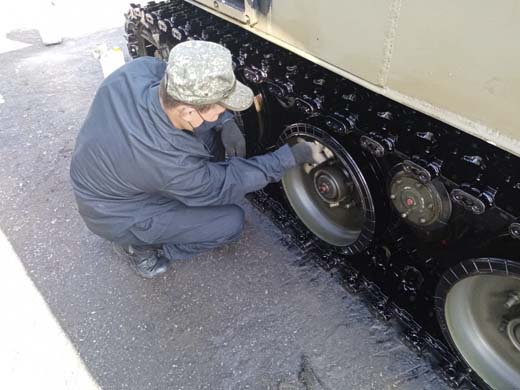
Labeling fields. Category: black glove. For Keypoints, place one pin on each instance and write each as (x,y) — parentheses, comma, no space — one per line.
(308,152)
(233,140)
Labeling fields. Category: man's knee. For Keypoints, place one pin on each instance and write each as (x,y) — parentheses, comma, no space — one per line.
(234,221)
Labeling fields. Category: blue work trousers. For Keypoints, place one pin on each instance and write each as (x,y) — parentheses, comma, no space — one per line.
(186,231)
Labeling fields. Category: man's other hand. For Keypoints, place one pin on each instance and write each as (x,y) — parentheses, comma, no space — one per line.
(233,140)
(308,152)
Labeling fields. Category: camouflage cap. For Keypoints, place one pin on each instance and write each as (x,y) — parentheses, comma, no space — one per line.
(201,72)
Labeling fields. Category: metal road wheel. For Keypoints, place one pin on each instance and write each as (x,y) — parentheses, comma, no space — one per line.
(478,303)
(331,199)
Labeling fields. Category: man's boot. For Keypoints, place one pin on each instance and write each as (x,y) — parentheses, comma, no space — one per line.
(148,263)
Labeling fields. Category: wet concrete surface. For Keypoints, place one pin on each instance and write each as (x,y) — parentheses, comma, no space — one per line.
(241,317)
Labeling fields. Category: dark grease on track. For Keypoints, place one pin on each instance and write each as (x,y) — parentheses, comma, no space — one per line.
(312,251)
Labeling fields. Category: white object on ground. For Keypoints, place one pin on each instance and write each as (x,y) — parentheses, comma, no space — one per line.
(2,99)
(110,59)
(50,24)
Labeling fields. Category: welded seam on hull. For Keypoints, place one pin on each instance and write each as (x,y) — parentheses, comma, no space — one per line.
(393,23)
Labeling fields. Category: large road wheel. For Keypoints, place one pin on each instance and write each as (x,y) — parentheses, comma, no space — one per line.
(333,199)
(478,306)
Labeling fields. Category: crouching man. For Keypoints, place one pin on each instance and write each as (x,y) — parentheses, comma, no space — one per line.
(148,171)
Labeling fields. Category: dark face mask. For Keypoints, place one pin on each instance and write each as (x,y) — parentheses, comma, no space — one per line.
(205,125)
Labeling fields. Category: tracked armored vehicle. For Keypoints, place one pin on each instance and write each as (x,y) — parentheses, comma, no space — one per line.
(418,207)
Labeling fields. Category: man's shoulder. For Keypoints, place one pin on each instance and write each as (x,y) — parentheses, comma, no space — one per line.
(142,68)
(151,64)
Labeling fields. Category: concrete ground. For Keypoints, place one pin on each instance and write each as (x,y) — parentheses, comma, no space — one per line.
(242,317)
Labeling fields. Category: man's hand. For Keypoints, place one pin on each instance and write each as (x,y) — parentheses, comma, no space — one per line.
(233,140)
(308,152)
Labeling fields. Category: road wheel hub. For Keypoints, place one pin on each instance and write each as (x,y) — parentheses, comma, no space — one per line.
(332,185)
